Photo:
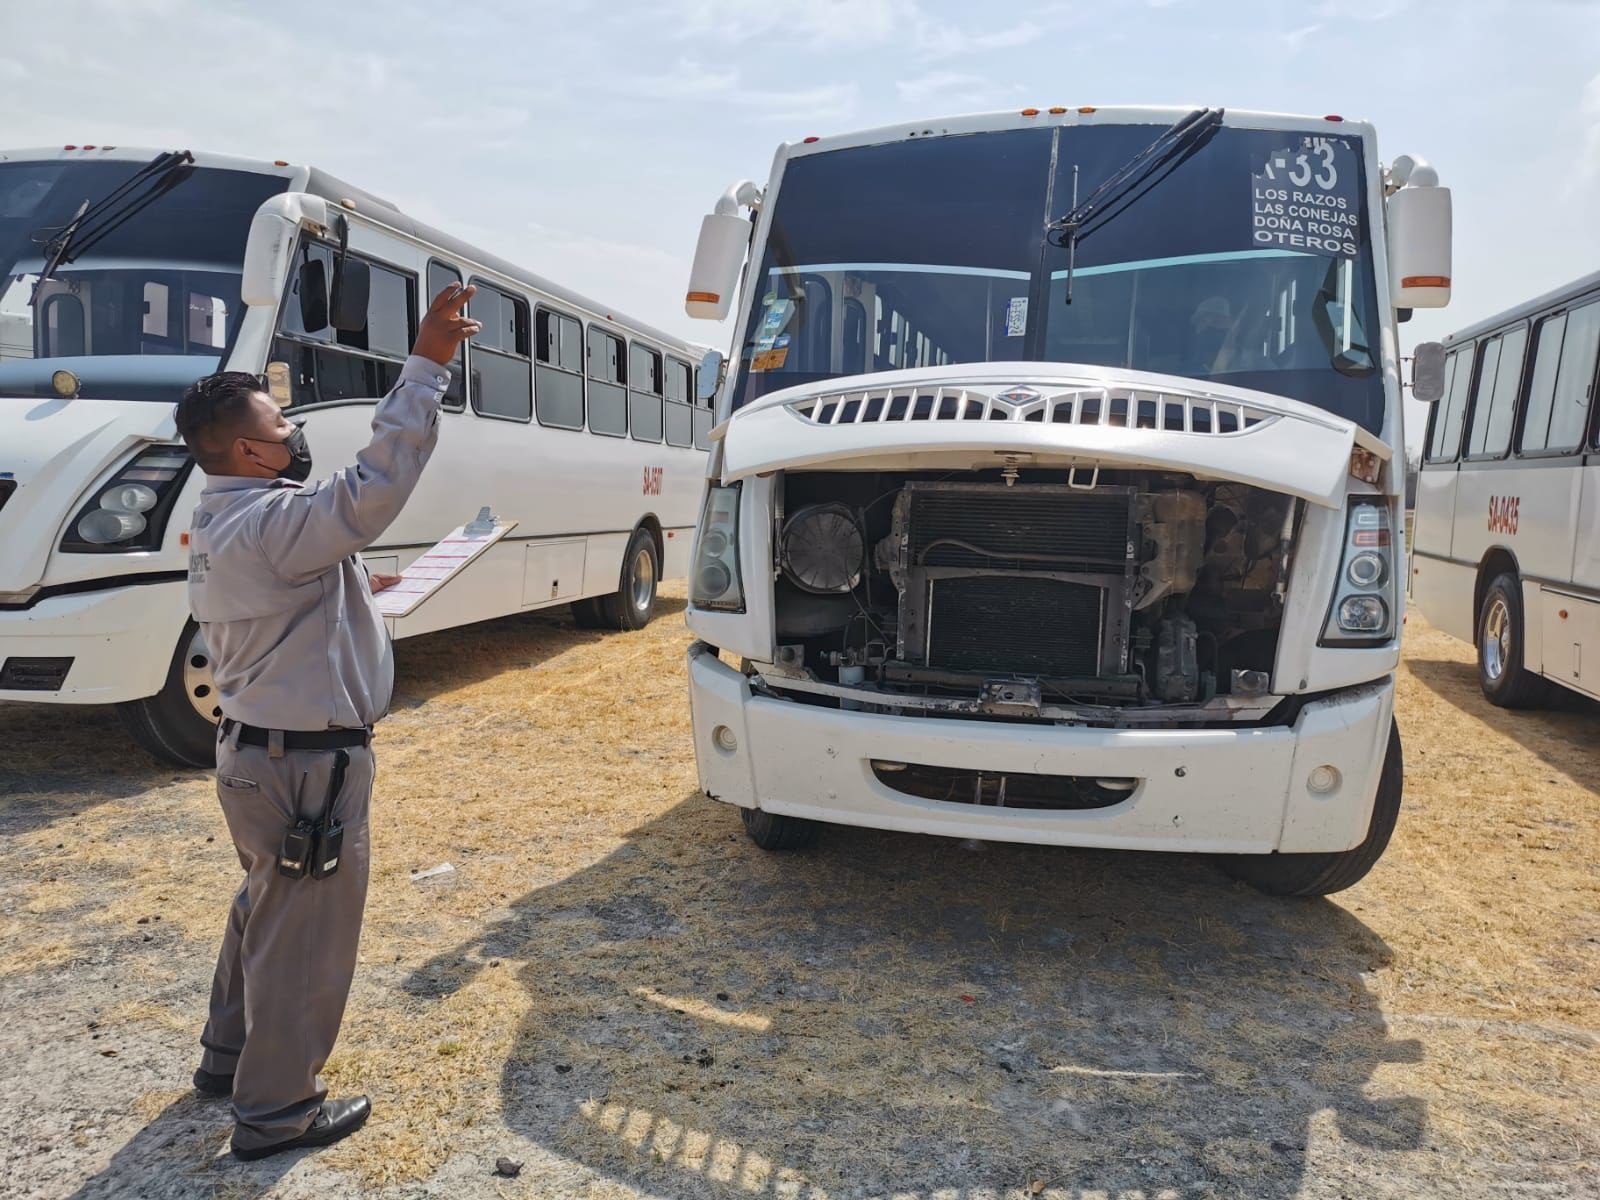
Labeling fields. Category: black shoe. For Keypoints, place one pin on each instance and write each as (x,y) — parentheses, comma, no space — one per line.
(212,1085)
(335,1119)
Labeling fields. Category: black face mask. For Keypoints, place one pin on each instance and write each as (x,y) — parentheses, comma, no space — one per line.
(298,468)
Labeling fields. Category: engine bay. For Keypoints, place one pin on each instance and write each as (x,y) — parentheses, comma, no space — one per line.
(1031,594)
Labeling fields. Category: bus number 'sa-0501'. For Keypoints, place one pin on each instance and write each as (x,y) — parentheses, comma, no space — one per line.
(652,480)
(1503,513)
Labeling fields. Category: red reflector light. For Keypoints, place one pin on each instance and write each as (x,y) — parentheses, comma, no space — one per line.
(1333,117)
(809,140)
(1057,110)
(1370,537)
(69,147)
(1030,112)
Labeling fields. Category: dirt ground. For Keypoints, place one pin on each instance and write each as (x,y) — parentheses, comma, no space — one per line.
(616,989)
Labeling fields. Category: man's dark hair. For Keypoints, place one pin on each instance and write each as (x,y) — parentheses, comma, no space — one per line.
(211,410)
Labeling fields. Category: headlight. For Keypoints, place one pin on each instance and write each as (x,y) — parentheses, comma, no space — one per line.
(1362,610)
(715,581)
(821,549)
(130,511)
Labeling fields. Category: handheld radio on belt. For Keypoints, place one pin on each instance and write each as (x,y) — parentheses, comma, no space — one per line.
(313,847)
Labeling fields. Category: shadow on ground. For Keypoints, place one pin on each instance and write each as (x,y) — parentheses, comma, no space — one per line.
(1562,733)
(183,1152)
(896,1014)
(61,759)
(433,663)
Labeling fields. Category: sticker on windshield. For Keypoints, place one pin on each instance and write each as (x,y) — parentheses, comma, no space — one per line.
(1307,197)
(769,360)
(777,316)
(1017,316)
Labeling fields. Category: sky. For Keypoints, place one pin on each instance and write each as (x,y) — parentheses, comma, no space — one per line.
(585,139)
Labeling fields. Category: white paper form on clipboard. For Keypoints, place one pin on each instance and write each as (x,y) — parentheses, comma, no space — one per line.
(437,566)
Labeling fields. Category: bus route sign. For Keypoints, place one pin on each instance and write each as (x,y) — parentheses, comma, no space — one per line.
(1306,197)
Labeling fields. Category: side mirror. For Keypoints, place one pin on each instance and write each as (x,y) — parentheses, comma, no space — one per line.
(1419,241)
(717,258)
(710,377)
(312,286)
(1427,372)
(352,289)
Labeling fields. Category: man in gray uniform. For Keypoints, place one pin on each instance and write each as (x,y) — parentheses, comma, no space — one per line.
(303,668)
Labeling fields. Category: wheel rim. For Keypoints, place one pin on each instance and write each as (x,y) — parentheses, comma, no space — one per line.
(644,579)
(198,684)
(1495,644)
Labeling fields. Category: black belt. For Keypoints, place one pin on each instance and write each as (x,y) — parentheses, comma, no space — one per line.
(298,739)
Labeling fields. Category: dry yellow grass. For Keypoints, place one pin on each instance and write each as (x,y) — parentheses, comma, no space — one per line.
(614,985)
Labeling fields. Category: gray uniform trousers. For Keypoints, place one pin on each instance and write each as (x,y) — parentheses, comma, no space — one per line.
(289,950)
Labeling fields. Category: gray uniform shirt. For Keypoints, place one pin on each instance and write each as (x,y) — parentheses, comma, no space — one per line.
(277,584)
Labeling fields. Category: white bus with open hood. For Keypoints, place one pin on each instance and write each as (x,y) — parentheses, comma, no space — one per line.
(1054,495)
(125,275)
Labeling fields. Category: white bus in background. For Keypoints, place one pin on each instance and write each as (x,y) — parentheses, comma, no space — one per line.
(1506,549)
(585,427)
(1056,495)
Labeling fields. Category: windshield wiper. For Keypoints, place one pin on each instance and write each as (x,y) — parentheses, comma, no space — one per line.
(94,221)
(1122,186)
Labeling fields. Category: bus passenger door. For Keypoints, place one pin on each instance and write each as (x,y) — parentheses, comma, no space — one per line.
(1437,587)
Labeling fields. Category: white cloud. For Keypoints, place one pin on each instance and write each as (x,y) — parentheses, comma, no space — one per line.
(1297,38)
(826,103)
(817,22)
(688,80)
(11,69)
(483,120)
(936,40)
(947,88)
(837,24)
(1361,10)
(1589,108)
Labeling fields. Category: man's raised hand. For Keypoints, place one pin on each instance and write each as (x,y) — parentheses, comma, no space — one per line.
(443,328)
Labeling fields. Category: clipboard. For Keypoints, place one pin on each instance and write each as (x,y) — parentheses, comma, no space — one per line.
(437,566)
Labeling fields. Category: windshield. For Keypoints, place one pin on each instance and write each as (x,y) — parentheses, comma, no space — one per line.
(1246,262)
(145,310)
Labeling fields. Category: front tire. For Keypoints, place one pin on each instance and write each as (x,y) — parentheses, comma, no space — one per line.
(634,602)
(1322,874)
(1501,675)
(771,831)
(178,725)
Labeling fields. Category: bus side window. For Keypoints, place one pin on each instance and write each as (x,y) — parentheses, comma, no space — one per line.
(441,276)
(680,416)
(364,364)
(502,360)
(65,327)
(644,393)
(1449,412)
(855,338)
(608,397)
(1569,411)
(1495,397)
(702,417)
(558,373)
(1496,438)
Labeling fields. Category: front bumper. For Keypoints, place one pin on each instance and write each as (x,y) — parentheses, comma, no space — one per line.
(1213,790)
(120,641)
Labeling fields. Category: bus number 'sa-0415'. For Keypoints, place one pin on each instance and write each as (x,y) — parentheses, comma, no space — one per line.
(652,480)
(1503,513)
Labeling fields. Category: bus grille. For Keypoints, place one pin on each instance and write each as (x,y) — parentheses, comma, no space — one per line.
(1125,407)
